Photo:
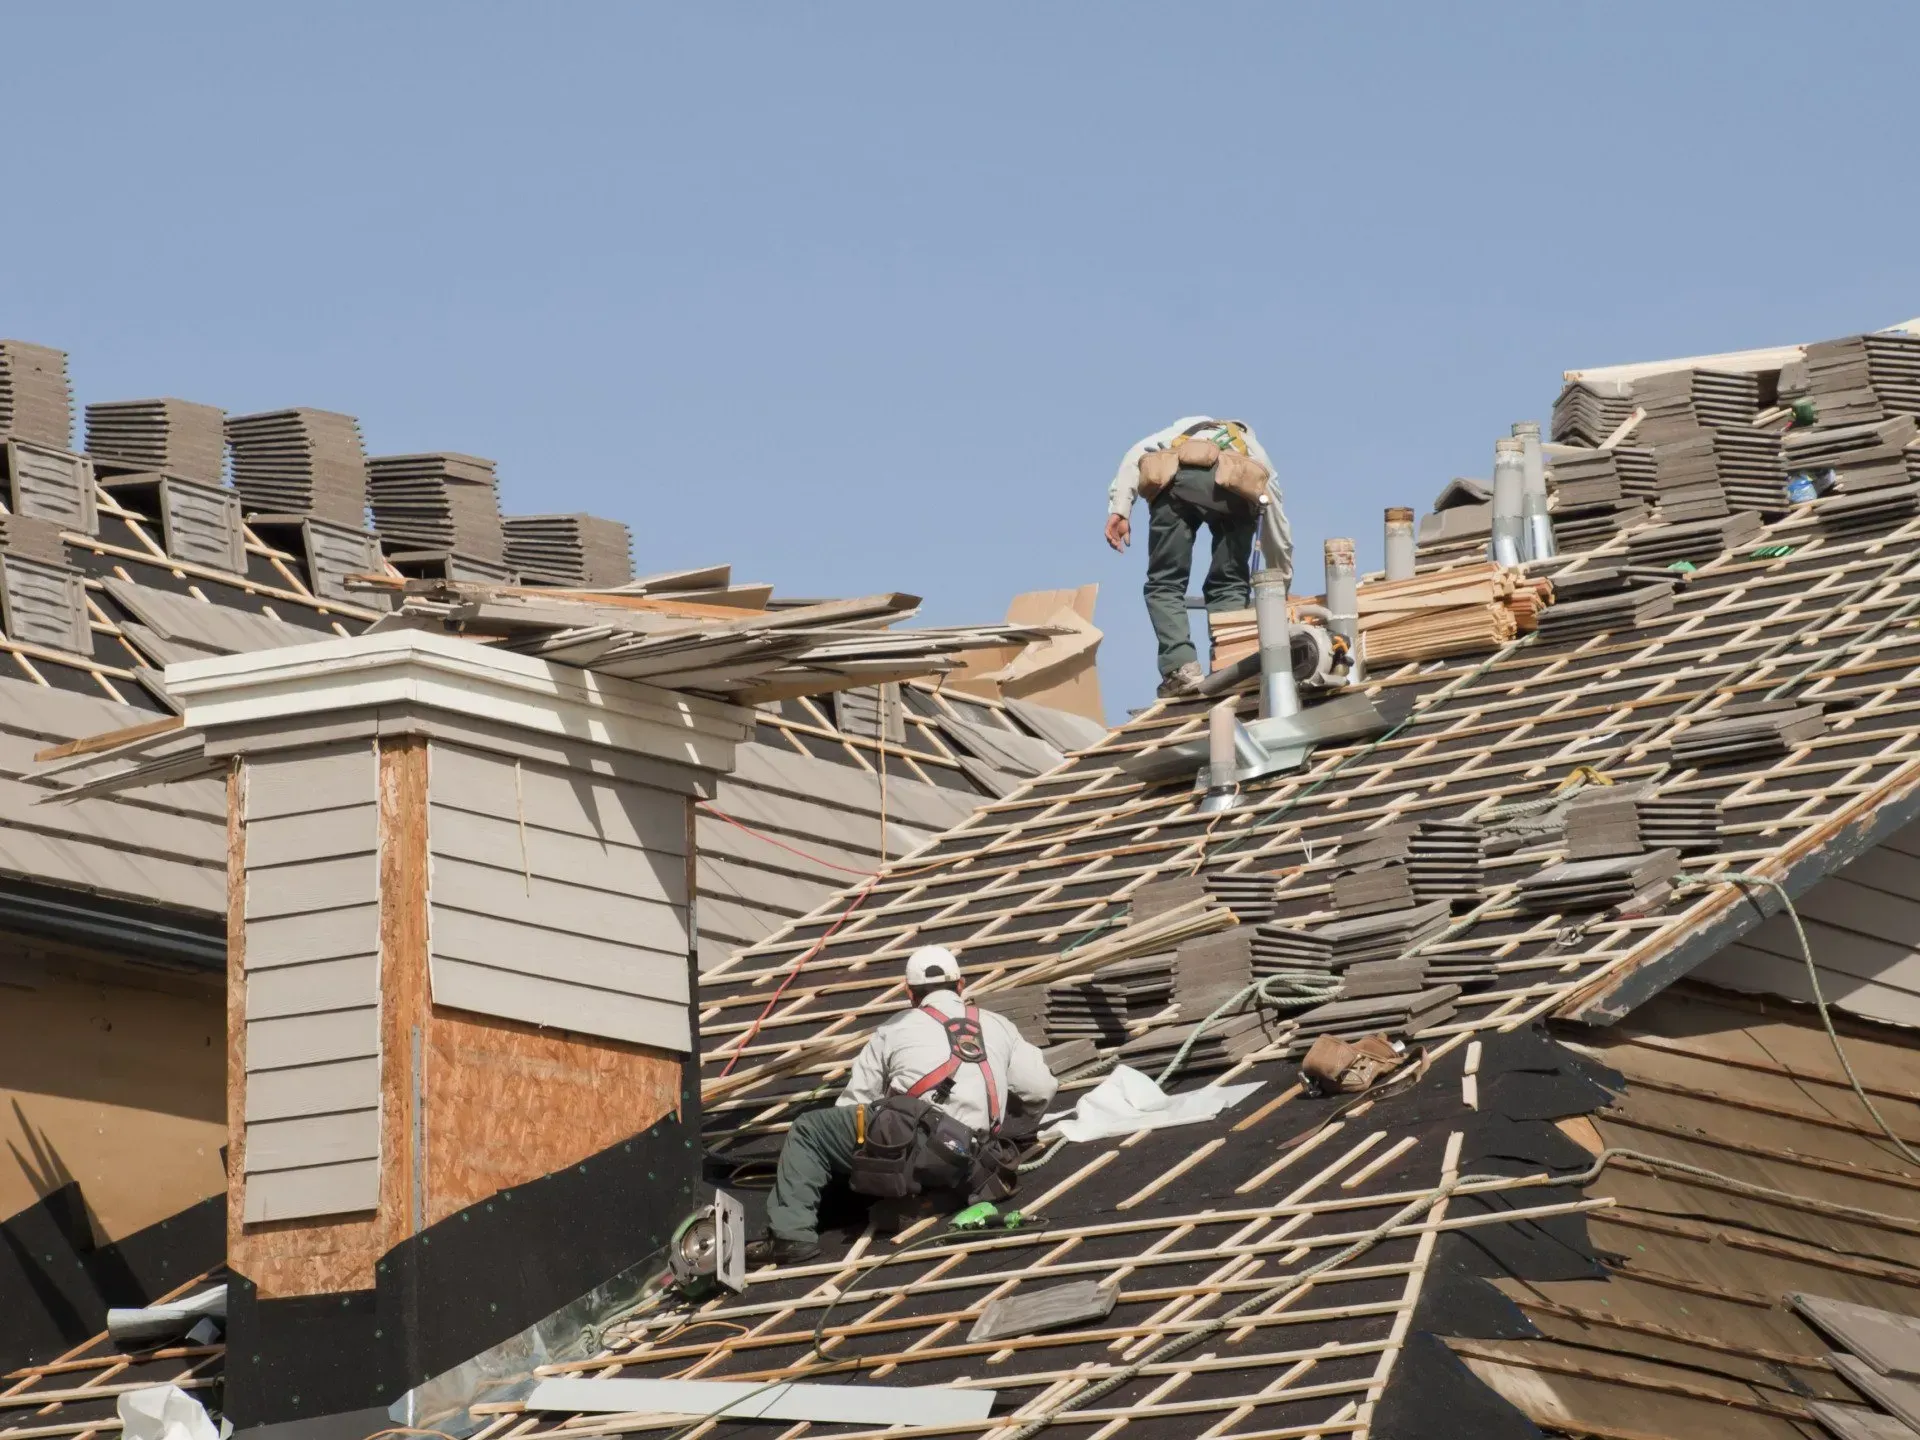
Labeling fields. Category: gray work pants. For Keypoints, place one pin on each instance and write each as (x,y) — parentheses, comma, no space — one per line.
(1175,517)
(819,1146)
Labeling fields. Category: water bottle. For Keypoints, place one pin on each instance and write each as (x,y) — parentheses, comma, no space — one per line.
(1800,489)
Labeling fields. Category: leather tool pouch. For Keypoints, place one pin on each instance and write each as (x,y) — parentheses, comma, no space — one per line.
(1194,453)
(911,1146)
(1157,469)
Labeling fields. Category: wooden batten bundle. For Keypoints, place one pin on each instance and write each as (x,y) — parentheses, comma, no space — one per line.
(1450,612)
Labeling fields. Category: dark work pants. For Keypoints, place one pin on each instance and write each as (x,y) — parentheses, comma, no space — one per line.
(818,1147)
(1175,517)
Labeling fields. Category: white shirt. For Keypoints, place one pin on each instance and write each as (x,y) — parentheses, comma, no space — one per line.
(913,1045)
(1126,480)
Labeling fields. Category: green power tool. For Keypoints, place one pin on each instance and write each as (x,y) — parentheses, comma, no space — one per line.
(979,1217)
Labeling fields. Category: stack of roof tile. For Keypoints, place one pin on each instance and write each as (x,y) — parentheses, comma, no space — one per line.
(1686,478)
(175,436)
(1748,732)
(1693,541)
(1219,1046)
(1857,378)
(1334,947)
(1403,1013)
(1590,503)
(1370,889)
(1629,820)
(1105,1005)
(1596,884)
(1589,411)
(1446,858)
(438,502)
(1460,524)
(1753,471)
(1208,970)
(1625,605)
(36,402)
(1870,510)
(33,538)
(1249,894)
(1852,457)
(300,462)
(580,550)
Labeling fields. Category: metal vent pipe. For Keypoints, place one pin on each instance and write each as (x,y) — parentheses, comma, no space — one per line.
(1509,483)
(1537,543)
(1400,548)
(1278,694)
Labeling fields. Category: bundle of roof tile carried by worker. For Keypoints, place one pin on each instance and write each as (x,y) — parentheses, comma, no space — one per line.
(1449,612)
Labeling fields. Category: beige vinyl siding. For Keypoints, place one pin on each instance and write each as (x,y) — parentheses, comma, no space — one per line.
(313,982)
(1863,924)
(558,897)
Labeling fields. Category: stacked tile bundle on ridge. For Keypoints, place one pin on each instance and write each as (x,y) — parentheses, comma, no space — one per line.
(579,550)
(1596,884)
(36,402)
(439,502)
(1753,470)
(1461,522)
(1694,541)
(1639,478)
(174,436)
(300,462)
(1852,457)
(1748,732)
(1589,411)
(1590,503)
(1629,820)
(1686,478)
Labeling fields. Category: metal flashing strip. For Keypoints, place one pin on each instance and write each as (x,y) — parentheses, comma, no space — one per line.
(198,943)
(739,1400)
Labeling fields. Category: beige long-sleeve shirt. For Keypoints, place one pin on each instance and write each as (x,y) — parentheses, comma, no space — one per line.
(913,1044)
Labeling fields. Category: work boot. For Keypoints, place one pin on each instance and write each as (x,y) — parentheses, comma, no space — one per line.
(1182,682)
(780,1250)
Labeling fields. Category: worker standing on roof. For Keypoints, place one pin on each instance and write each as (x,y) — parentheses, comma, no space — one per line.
(933,1103)
(1198,471)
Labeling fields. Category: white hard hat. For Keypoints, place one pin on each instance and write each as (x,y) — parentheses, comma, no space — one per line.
(931,964)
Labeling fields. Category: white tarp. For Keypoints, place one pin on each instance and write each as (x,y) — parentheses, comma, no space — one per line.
(163,1412)
(789,1400)
(1128,1101)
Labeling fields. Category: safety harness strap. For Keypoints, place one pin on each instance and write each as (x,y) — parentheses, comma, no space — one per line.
(966,1045)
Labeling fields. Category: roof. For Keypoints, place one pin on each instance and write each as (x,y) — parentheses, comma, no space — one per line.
(1805,608)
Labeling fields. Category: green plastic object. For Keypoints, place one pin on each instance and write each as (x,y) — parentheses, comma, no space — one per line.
(1770,552)
(1013,1219)
(1805,412)
(1685,567)
(975,1217)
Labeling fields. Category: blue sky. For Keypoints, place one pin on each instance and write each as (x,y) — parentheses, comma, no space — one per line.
(867,297)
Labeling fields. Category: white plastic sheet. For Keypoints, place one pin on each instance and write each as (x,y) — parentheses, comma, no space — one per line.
(1127,1101)
(164,1412)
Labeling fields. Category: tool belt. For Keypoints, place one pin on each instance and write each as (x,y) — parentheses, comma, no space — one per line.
(907,1145)
(1239,475)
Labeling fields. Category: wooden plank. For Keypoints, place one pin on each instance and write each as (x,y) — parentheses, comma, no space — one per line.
(304,782)
(351,880)
(557,1005)
(608,965)
(553,855)
(297,939)
(328,1190)
(558,906)
(312,1140)
(312,1089)
(293,839)
(312,1039)
(93,744)
(287,990)
(620,813)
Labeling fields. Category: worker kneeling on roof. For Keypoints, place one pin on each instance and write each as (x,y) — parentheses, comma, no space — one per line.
(934,1103)
(1198,472)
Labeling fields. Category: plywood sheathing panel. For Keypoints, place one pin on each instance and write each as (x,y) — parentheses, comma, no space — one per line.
(507,1103)
(112,1077)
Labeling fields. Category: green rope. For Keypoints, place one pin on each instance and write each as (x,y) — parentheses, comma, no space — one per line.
(1743,877)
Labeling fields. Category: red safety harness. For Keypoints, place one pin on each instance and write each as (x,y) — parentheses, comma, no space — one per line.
(966,1045)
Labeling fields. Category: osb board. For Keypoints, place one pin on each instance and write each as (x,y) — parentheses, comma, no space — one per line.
(507,1103)
(330,1254)
(1075,687)
(500,1103)
(114,1078)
